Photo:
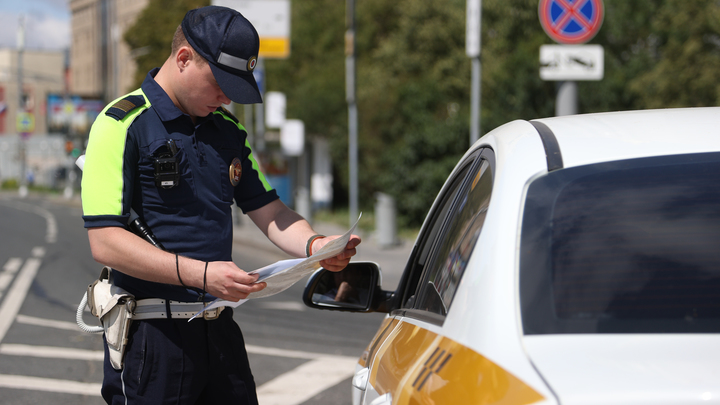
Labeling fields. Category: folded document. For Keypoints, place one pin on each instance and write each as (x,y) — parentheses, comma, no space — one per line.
(281,275)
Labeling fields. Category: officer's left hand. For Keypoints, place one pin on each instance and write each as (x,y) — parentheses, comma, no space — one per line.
(340,261)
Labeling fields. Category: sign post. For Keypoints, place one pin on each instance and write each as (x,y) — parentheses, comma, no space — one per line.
(571,23)
(472,49)
(21,118)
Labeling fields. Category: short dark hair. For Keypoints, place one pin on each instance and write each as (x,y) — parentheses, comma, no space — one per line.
(179,41)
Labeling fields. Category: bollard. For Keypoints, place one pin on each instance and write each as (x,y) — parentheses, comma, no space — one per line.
(303,206)
(385,225)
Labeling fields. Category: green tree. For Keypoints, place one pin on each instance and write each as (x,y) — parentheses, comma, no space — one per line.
(151,34)
(628,42)
(412,80)
(684,46)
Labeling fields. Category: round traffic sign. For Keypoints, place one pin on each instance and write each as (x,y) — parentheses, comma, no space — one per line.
(571,21)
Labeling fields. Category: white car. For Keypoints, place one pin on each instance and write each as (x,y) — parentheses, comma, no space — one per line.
(568,260)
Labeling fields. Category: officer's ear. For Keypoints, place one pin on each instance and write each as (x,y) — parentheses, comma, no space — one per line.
(183,57)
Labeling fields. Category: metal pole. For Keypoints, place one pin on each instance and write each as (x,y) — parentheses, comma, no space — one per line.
(105,50)
(260,111)
(567,99)
(473,44)
(352,108)
(114,45)
(21,105)
(475,116)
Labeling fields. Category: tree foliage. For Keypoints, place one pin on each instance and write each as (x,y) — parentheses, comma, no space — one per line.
(413,77)
(151,34)
(684,46)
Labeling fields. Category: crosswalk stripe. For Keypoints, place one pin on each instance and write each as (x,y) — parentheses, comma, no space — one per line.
(271,351)
(5,279)
(306,381)
(49,323)
(49,384)
(51,352)
(16,296)
(12,265)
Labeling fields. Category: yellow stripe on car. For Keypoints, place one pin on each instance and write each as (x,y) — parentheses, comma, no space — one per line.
(420,367)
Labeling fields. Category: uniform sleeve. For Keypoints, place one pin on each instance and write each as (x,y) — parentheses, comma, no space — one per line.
(254,190)
(107,175)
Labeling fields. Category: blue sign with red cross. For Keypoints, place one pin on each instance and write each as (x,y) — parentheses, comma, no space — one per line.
(571,21)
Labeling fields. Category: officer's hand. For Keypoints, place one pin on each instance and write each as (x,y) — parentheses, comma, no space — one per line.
(340,261)
(225,280)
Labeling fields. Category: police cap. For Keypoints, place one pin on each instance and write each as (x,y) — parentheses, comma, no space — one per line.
(230,44)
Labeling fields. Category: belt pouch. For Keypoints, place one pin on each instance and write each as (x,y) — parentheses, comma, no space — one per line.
(114,306)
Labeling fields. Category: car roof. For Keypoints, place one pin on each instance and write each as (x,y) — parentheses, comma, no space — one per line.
(592,138)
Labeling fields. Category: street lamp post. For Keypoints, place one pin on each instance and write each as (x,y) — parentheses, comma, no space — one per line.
(21,105)
(472,49)
(352,109)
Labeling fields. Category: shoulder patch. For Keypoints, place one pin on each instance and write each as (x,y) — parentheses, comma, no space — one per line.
(120,109)
(227,113)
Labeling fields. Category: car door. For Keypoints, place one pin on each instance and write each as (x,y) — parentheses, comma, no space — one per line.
(411,360)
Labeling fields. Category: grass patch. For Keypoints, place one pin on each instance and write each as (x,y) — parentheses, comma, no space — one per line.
(10,184)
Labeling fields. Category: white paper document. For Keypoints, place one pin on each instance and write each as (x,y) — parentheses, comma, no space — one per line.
(281,275)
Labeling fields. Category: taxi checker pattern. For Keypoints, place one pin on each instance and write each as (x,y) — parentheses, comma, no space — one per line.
(470,379)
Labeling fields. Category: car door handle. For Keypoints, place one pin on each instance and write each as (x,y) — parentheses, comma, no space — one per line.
(360,379)
(385,399)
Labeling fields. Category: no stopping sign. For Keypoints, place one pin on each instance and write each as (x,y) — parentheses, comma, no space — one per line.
(571,21)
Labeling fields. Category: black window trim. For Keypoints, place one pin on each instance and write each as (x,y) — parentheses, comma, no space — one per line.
(552,148)
(420,315)
(409,283)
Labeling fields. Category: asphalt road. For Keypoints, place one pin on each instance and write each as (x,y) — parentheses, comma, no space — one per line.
(299,356)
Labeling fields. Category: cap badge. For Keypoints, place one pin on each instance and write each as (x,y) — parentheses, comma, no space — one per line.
(235,172)
(252,63)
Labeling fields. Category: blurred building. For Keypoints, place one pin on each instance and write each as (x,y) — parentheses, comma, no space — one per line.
(43,73)
(102,66)
(61,89)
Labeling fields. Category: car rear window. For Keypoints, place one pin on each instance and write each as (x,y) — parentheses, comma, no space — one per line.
(623,247)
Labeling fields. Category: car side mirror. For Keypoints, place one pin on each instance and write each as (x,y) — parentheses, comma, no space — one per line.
(355,289)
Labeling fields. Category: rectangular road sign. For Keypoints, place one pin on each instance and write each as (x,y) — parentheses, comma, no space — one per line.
(271,19)
(572,62)
(25,122)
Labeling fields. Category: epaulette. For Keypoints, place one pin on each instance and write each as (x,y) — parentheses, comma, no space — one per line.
(229,114)
(120,109)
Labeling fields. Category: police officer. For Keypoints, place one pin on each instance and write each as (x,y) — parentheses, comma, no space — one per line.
(172,154)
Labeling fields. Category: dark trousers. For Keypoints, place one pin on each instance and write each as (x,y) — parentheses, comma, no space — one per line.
(179,362)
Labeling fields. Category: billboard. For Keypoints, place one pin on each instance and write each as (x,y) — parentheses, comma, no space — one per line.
(72,114)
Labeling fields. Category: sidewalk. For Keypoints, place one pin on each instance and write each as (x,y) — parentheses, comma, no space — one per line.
(391,260)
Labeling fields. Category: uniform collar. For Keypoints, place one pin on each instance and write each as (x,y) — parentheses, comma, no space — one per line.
(161,102)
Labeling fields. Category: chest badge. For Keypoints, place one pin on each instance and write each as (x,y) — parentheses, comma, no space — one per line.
(235,172)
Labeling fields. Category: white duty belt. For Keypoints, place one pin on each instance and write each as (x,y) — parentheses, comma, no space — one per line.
(158,308)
